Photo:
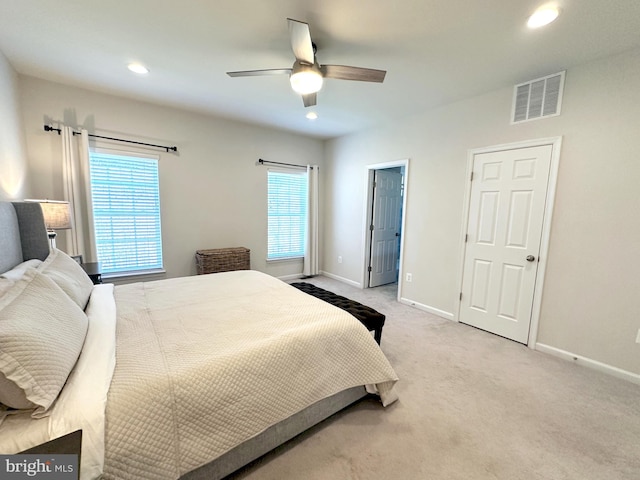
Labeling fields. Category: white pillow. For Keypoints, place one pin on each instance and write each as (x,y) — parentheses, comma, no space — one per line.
(17,272)
(7,279)
(69,276)
(13,395)
(41,335)
(5,285)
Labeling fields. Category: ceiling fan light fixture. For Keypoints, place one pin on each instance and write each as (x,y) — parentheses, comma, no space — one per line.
(305,79)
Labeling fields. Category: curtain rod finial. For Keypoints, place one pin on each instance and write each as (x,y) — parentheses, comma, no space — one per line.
(49,128)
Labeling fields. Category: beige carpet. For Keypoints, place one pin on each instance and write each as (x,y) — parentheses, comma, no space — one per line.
(472,406)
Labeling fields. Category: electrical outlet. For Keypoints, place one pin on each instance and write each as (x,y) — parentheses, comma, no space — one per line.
(638,336)
(409,277)
(339,258)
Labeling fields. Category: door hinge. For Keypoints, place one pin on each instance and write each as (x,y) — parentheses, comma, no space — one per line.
(471,179)
(460,295)
(369,268)
(371,228)
(375,184)
(466,237)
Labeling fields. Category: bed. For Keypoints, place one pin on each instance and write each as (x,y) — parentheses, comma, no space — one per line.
(188,377)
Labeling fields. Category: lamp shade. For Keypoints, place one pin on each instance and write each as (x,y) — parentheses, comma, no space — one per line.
(57,215)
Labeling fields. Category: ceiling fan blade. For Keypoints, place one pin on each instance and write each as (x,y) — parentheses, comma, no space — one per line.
(309,99)
(344,72)
(256,73)
(301,41)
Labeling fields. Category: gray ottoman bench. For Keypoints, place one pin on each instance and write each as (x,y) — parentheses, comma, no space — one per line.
(370,318)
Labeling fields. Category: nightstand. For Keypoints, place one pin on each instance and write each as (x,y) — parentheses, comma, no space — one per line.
(67,444)
(70,444)
(94,271)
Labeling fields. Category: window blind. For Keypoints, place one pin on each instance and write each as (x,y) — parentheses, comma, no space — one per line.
(287,214)
(126,212)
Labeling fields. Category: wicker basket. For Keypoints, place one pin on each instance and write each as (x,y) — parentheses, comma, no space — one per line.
(216,260)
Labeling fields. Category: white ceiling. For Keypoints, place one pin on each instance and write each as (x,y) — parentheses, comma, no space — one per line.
(434,51)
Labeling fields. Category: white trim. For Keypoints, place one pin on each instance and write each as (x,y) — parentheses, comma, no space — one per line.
(142,158)
(587,362)
(366,235)
(133,273)
(283,259)
(428,309)
(341,279)
(295,276)
(294,185)
(556,144)
(121,279)
(463,231)
(368,208)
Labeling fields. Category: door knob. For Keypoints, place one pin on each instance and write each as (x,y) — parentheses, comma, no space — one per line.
(530,258)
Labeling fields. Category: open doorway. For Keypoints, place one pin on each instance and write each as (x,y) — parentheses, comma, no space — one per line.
(385,208)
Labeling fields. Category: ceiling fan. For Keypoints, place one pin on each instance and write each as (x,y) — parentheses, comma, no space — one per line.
(306,75)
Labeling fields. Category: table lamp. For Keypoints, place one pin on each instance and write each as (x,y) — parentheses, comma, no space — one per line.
(57,216)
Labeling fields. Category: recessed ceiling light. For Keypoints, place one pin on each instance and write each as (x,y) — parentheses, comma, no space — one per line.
(138,68)
(543,16)
(311,115)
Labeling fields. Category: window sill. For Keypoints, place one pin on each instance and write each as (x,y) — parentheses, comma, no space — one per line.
(131,275)
(288,259)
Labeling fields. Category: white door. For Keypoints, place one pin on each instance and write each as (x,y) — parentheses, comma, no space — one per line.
(385,227)
(506,213)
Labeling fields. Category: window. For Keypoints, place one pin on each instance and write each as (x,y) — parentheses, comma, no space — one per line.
(287,214)
(126,213)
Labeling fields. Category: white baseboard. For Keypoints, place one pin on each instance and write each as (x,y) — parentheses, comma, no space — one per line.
(286,278)
(427,308)
(341,279)
(587,362)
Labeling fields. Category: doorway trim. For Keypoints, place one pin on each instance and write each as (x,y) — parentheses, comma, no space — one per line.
(368,209)
(556,143)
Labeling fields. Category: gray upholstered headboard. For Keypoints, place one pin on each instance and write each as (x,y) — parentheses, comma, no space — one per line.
(23,235)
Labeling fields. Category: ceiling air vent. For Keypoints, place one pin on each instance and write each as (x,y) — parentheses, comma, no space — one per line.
(538,98)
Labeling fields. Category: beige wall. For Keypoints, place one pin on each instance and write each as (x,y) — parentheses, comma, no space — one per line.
(212,194)
(13,160)
(590,301)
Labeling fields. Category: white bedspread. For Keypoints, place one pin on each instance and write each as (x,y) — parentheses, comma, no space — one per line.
(205,363)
